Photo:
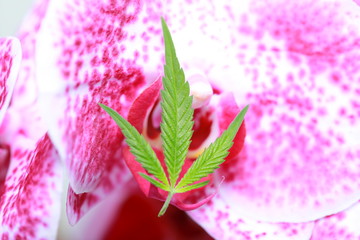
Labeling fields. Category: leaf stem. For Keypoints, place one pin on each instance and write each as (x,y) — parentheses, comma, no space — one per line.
(166,204)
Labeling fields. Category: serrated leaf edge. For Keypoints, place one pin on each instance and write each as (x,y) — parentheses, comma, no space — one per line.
(193,174)
(156,169)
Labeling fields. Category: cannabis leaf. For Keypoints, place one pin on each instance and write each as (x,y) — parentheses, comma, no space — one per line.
(212,156)
(176,131)
(177,114)
(141,149)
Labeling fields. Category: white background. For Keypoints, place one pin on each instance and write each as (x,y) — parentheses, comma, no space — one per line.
(12,13)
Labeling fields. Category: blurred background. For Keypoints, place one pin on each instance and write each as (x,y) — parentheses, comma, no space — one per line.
(11,14)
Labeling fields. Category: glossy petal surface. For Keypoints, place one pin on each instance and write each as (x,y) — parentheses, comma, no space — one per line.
(10,58)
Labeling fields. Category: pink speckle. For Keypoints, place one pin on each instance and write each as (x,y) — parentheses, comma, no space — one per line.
(7,52)
(92,56)
(343,225)
(29,197)
(303,87)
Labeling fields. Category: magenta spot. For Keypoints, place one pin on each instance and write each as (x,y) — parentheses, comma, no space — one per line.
(21,202)
(335,77)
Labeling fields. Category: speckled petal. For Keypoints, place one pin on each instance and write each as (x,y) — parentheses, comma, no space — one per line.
(96,223)
(300,75)
(90,52)
(221,222)
(10,58)
(30,203)
(295,62)
(343,225)
(25,91)
(115,178)
(30,197)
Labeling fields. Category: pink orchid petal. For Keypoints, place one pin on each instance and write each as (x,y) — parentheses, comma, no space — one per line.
(295,62)
(301,154)
(25,92)
(4,164)
(86,137)
(221,222)
(343,225)
(259,49)
(10,58)
(77,205)
(30,197)
(22,117)
(96,223)
(88,55)
(30,204)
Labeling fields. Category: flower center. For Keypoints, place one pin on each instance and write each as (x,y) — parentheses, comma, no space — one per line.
(205,131)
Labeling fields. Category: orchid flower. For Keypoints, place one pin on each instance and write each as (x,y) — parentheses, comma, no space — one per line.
(294,176)
(31,174)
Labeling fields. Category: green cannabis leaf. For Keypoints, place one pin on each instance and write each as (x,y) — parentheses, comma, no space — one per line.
(177,114)
(141,149)
(176,131)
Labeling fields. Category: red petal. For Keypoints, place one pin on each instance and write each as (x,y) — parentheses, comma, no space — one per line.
(141,211)
(142,105)
(227,110)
